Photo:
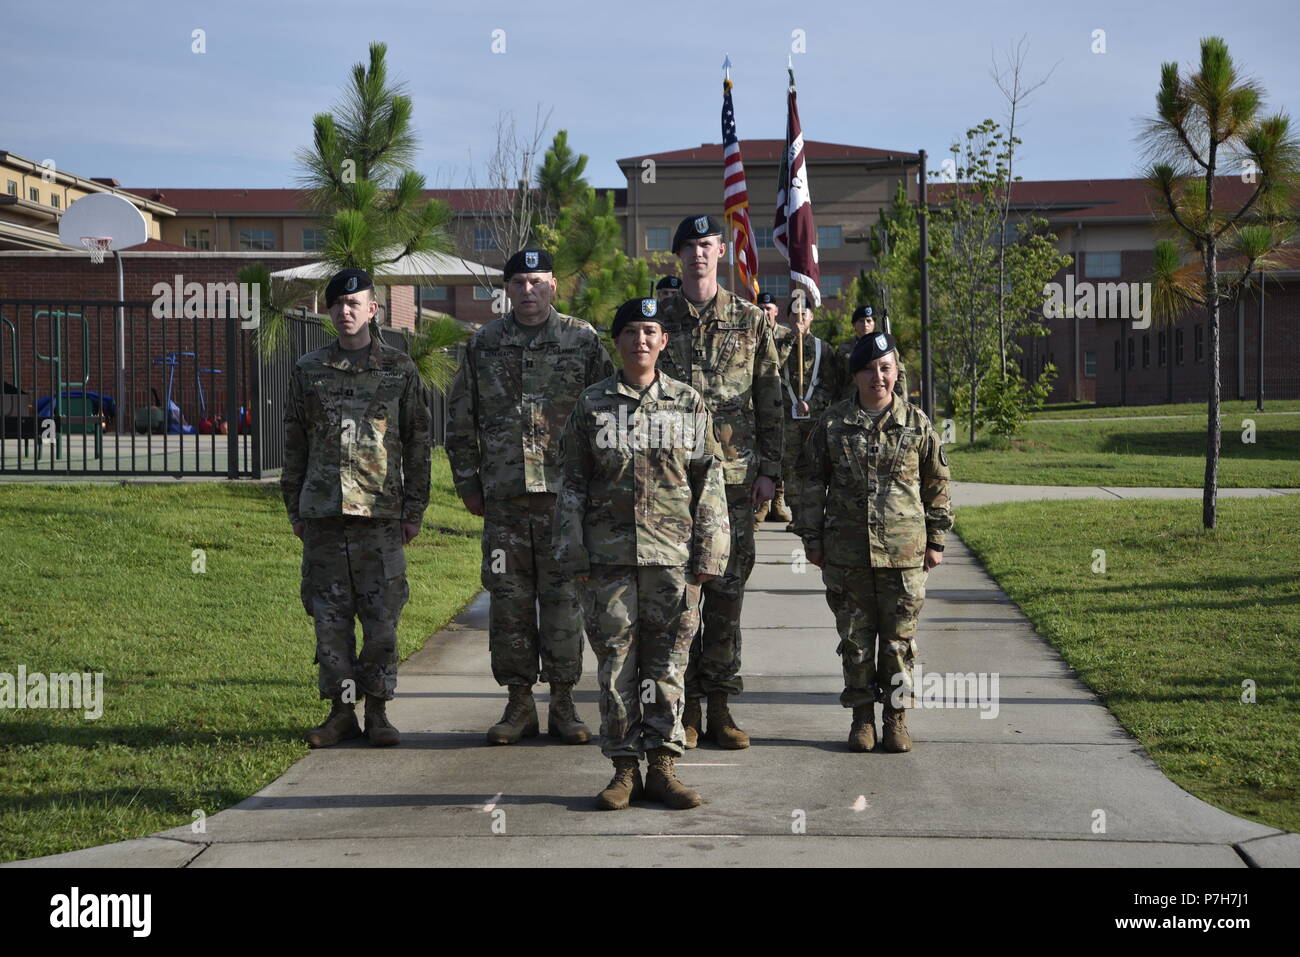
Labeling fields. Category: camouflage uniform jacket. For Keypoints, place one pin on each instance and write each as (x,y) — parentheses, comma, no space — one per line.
(826,390)
(642,481)
(873,496)
(510,400)
(726,353)
(850,388)
(356,437)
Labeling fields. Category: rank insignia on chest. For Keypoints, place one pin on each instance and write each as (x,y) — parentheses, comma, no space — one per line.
(699,356)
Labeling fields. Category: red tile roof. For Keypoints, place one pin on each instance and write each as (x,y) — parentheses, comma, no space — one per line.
(769,151)
(1096,198)
(288,201)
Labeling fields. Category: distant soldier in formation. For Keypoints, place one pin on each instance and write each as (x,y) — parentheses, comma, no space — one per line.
(355,481)
(507,409)
(642,521)
(782,338)
(722,346)
(873,514)
(808,392)
(666,287)
(864,323)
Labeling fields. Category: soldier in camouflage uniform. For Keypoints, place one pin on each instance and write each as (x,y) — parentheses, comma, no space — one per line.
(864,323)
(722,346)
(874,511)
(356,484)
(642,521)
(821,388)
(666,288)
(783,339)
(506,414)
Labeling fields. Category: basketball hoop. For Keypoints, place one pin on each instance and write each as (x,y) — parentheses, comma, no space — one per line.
(97,246)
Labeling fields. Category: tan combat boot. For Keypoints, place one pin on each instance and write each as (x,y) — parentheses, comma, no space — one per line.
(893,729)
(562,719)
(379,729)
(624,787)
(341,725)
(760,514)
(722,731)
(862,735)
(780,513)
(661,782)
(692,720)
(519,719)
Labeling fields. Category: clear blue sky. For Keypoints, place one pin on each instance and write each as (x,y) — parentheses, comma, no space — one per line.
(112,88)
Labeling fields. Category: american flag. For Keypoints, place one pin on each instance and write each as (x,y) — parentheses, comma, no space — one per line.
(794,232)
(735,197)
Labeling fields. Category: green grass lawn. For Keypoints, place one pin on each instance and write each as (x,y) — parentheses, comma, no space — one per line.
(1088,410)
(1141,452)
(209,681)
(1167,635)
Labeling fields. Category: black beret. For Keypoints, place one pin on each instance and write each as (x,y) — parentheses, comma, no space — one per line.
(765,299)
(695,227)
(345,282)
(669,282)
(528,260)
(635,310)
(870,347)
(863,312)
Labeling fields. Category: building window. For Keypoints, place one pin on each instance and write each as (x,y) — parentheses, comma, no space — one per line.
(763,238)
(1178,347)
(1199,342)
(483,294)
(33,194)
(832,286)
(1162,348)
(830,237)
(1101,264)
(1090,363)
(54,200)
(1146,351)
(313,240)
(1132,352)
(484,240)
(198,238)
(12,187)
(433,292)
(656,238)
(256,240)
(777,284)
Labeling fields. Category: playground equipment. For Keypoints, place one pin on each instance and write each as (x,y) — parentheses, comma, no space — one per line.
(151,420)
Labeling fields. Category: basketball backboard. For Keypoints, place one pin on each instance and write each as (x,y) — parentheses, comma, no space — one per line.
(105,216)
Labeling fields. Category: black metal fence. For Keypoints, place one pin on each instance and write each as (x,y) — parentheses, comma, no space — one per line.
(121,388)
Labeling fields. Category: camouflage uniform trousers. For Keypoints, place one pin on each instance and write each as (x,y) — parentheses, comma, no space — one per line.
(868,602)
(796,433)
(715,653)
(354,568)
(519,571)
(641,620)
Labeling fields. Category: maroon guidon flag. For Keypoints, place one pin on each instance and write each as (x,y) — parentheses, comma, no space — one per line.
(794,234)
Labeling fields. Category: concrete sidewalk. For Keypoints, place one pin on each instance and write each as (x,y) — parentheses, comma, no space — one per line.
(1024,788)
(965,494)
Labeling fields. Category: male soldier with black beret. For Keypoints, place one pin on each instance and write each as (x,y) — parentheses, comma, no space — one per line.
(722,346)
(665,288)
(356,484)
(873,513)
(507,409)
